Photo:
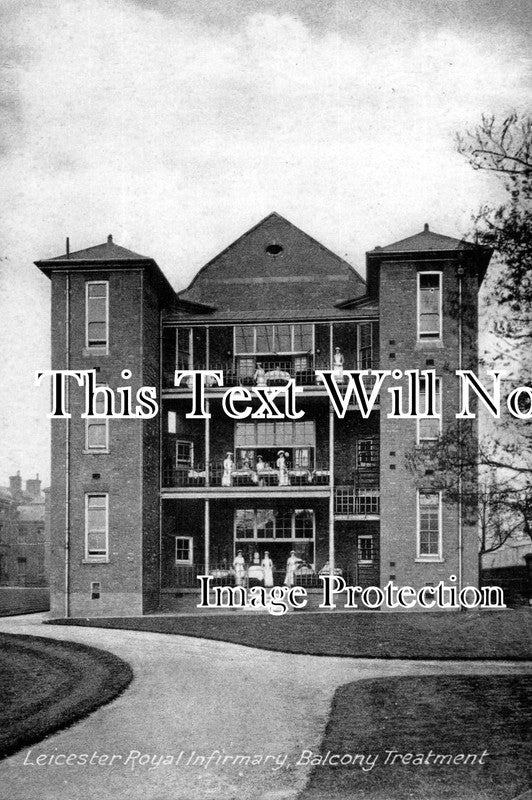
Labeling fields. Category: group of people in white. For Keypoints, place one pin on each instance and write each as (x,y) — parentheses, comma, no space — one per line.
(263,569)
(261,377)
(258,471)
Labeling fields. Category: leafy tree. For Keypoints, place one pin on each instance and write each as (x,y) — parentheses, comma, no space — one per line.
(501,500)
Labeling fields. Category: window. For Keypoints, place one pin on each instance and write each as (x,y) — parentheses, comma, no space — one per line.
(97,429)
(21,571)
(184,454)
(365,549)
(268,523)
(97,314)
(429,305)
(364,345)
(183,550)
(271,339)
(274,434)
(367,453)
(428,430)
(95,590)
(429,526)
(183,346)
(96,527)
(21,535)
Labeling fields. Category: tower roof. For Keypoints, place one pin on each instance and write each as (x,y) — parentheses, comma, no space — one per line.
(425,241)
(108,251)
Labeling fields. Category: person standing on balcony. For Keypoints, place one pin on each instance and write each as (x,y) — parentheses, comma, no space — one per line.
(260,376)
(291,566)
(283,470)
(260,466)
(338,365)
(229,465)
(267,566)
(239,565)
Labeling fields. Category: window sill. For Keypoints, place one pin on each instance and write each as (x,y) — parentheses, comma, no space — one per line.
(184,563)
(429,560)
(95,560)
(95,452)
(94,351)
(429,344)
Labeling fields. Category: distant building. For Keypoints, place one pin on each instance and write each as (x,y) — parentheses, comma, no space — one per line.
(140,508)
(23,541)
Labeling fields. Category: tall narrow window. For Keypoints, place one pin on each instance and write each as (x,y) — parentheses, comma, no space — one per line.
(97,429)
(429,305)
(97,315)
(429,429)
(96,527)
(429,526)
(364,346)
(21,571)
(184,356)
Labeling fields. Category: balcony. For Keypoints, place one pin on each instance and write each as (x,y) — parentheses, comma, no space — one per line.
(244,476)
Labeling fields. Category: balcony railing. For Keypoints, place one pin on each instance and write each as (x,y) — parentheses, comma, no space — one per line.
(275,373)
(223,574)
(243,475)
(349,501)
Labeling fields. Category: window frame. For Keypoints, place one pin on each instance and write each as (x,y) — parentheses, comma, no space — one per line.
(102,349)
(274,350)
(274,538)
(101,556)
(360,325)
(365,537)
(438,400)
(98,422)
(432,336)
(184,561)
(180,464)
(428,557)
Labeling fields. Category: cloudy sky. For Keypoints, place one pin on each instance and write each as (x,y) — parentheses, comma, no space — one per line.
(178,124)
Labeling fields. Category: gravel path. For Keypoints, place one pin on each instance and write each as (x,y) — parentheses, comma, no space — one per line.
(201,699)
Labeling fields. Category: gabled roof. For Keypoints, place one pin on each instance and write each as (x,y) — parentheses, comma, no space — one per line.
(108,251)
(424,242)
(273,268)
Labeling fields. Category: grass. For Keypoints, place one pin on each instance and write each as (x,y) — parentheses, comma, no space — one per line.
(446,714)
(467,635)
(46,685)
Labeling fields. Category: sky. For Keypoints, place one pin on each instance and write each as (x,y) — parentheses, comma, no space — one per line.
(176,125)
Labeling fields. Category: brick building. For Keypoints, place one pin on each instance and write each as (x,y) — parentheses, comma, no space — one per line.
(23,540)
(139,508)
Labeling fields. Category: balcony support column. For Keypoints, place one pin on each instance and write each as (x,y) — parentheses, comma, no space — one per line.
(207,540)
(207,444)
(331,491)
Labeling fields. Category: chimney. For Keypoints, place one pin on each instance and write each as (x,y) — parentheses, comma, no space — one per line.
(15,484)
(33,487)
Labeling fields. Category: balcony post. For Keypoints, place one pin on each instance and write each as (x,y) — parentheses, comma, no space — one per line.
(207,444)
(207,541)
(331,491)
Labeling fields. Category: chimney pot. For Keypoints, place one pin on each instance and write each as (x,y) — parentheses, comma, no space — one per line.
(110,239)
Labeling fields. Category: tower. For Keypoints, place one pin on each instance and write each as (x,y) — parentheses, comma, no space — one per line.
(106,303)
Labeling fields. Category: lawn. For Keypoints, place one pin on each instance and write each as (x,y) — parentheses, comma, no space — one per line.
(448,715)
(462,635)
(46,685)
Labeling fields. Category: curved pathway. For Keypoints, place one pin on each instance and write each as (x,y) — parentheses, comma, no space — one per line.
(200,698)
